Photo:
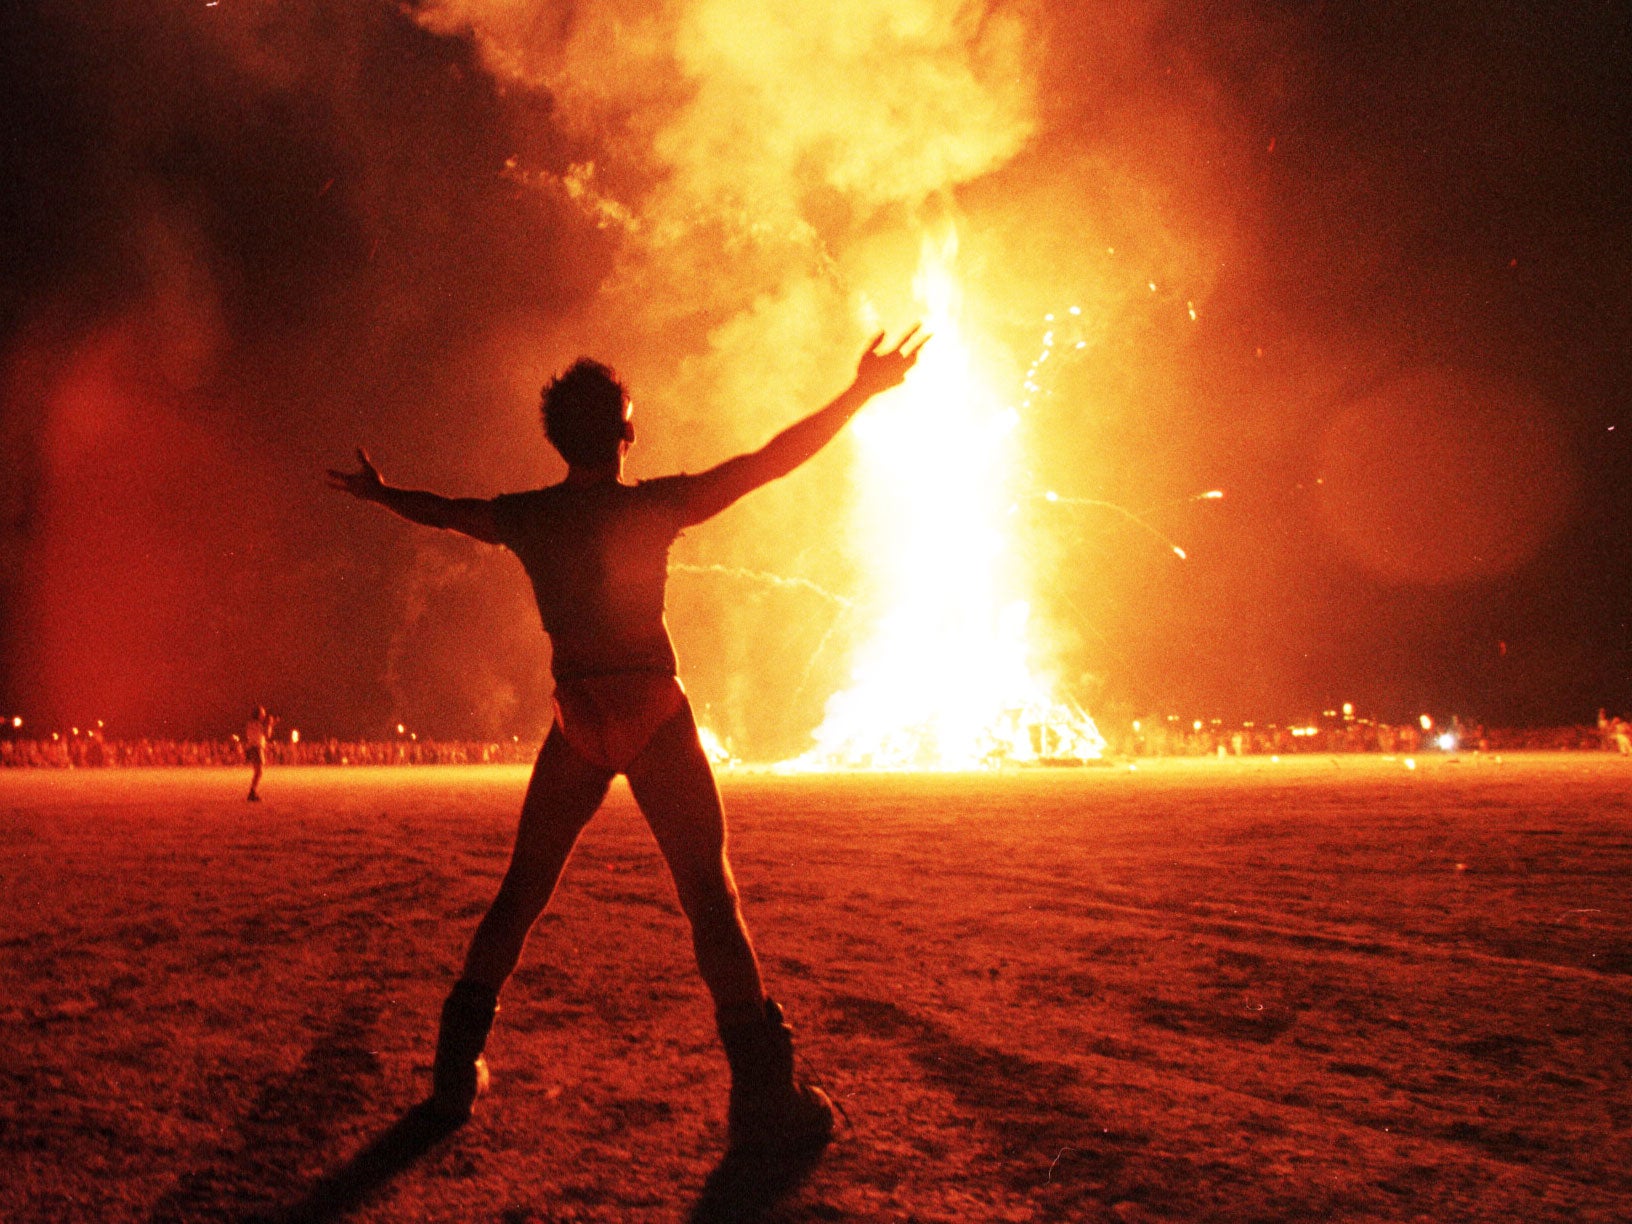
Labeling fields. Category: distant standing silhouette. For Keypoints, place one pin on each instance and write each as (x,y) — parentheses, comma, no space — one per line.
(596,550)
(256,734)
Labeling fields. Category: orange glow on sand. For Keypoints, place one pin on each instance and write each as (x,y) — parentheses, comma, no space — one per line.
(944,681)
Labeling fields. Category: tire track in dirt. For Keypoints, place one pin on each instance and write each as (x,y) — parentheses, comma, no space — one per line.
(1066,1156)
(1029,1108)
(1198,918)
(1074,1158)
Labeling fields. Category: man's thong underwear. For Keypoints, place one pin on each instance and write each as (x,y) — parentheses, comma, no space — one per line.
(608,720)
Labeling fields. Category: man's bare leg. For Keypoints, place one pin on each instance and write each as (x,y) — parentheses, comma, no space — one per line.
(564,793)
(771,1114)
(674,785)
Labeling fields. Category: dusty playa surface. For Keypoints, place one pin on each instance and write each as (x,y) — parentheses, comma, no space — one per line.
(1328,989)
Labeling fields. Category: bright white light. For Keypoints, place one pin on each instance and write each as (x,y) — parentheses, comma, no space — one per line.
(1446,741)
(714,748)
(944,681)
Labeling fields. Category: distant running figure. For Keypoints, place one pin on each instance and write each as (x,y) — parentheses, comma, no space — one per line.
(256,734)
(596,550)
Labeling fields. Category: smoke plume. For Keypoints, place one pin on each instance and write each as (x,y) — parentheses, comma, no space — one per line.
(242,239)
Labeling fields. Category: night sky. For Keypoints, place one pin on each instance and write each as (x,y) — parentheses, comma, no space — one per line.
(242,238)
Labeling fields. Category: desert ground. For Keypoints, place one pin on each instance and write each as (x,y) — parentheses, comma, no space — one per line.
(1320,989)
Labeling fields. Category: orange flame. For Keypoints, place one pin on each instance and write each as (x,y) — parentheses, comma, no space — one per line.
(945,681)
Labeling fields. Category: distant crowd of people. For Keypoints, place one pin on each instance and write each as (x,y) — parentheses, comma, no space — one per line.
(1155,737)
(1171,737)
(91,751)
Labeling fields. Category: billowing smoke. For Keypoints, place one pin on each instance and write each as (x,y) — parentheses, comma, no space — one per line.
(243,238)
(769,172)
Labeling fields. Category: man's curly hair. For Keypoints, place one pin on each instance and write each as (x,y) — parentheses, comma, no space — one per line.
(583,411)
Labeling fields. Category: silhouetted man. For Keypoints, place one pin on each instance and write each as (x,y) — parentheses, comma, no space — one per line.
(596,550)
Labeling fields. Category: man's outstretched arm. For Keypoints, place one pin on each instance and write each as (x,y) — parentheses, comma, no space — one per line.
(472,516)
(880,369)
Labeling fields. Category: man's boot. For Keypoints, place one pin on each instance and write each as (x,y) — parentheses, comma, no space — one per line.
(460,1074)
(770,1113)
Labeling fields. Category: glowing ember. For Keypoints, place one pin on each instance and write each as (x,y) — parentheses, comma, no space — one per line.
(945,681)
(715,748)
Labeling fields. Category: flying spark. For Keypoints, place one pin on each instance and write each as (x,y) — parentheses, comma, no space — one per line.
(1098,503)
(763,578)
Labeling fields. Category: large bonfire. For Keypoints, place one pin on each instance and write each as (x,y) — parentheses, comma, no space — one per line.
(945,679)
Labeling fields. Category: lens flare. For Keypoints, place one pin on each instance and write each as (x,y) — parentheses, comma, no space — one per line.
(945,680)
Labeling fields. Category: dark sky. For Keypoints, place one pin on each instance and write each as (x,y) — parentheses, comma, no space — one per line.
(242,238)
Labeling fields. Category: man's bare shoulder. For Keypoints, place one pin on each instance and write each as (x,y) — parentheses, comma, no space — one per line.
(677,484)
(523,499)
(518,514)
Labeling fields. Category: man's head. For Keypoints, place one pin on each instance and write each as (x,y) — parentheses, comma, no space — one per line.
(586,414)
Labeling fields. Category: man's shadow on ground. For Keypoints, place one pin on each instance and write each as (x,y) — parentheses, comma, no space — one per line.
(741,1189)
(344,1189)
(747,1188)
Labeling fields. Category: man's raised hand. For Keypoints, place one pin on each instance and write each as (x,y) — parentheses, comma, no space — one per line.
(364,483)
(883,367)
